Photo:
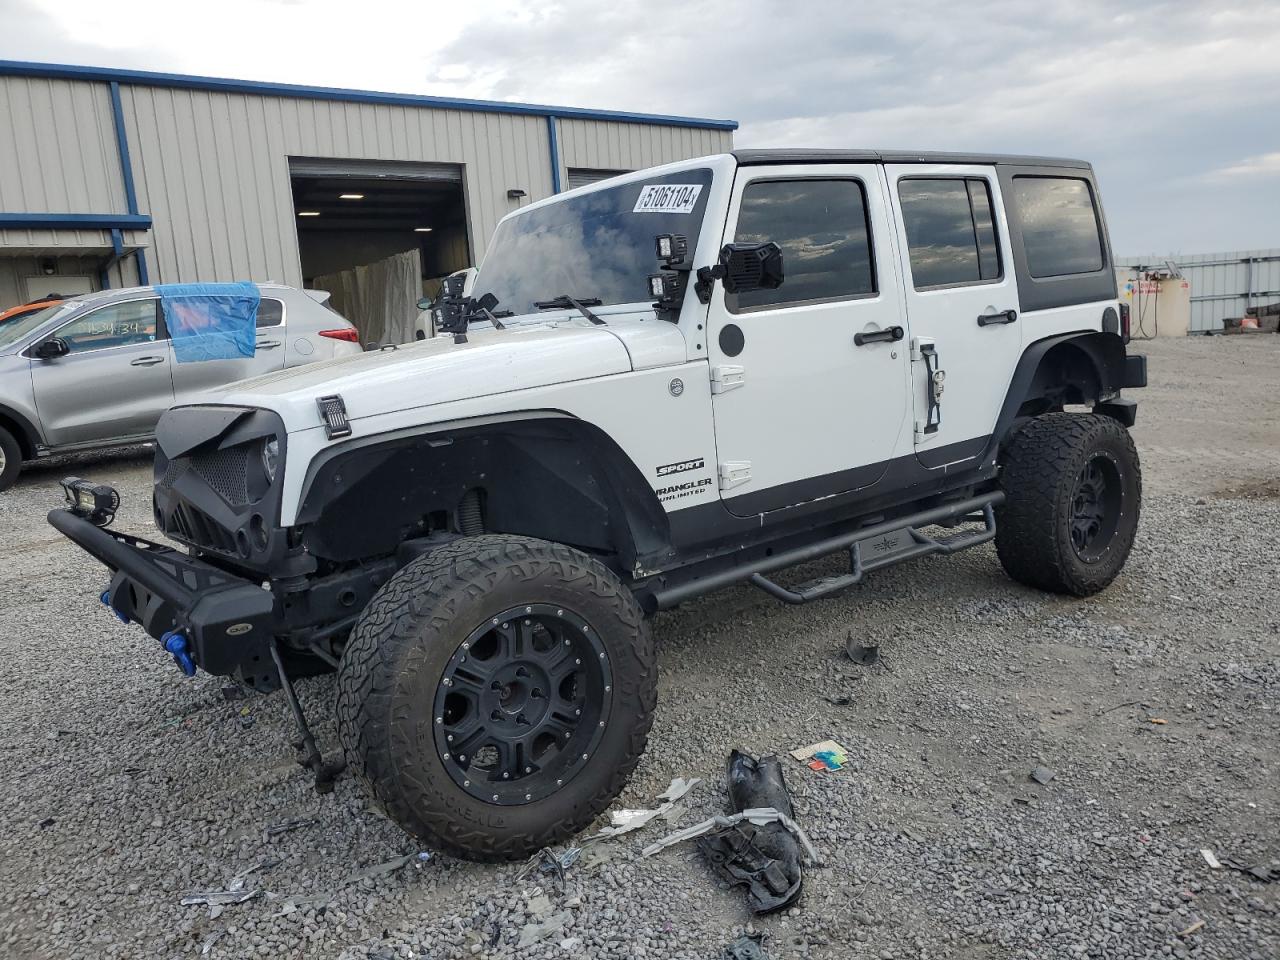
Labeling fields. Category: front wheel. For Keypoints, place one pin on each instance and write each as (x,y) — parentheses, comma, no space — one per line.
(10,459)
(496,693)
(1073,490)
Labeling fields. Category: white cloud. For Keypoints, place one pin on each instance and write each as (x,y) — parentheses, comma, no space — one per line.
(1266,165)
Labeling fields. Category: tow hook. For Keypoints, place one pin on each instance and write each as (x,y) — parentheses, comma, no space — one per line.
(176,644)
(106,602)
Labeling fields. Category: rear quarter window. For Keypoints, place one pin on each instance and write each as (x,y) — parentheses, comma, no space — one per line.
(1061,233)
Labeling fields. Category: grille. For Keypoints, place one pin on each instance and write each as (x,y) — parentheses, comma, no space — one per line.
(198,528)
(226,471)
(172,472)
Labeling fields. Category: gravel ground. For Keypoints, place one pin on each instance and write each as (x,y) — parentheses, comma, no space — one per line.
(1156,704)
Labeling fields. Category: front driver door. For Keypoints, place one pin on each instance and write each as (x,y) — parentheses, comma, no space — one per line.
(113,384)
(805,407)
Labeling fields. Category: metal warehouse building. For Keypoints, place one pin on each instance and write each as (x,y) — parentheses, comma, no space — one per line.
(116,178)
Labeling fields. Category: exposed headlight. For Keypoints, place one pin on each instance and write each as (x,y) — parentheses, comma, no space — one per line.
(271,458)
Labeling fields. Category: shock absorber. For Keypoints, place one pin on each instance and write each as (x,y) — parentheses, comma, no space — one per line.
(470,518)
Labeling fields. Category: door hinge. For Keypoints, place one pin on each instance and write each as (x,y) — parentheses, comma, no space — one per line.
(726,377)
(734,473)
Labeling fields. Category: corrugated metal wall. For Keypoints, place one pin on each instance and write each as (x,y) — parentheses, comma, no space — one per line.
(1222,284)
(58,149)
(606,145)
(15,270)
(211,167)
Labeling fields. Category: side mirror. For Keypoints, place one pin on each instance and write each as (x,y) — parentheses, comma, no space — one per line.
(424,303)
(751,266)
(487,302)
(51,349)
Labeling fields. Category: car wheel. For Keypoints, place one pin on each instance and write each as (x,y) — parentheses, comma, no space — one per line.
(1073,489)
(496,694)
(10,459)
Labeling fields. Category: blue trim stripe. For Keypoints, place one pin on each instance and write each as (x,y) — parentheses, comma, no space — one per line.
(69,221)
(553,135)
(126,173)
(147,78)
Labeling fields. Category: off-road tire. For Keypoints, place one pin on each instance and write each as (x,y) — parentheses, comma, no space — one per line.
(1042,464)
(12,456)
(393,663)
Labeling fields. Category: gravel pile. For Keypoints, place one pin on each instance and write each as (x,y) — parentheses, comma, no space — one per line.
(1156,707)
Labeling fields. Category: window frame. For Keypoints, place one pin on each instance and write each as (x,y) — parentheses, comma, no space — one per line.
(162,332)
(964,179)
(1072,289)
(1097,224)
(860,183)
(284,309)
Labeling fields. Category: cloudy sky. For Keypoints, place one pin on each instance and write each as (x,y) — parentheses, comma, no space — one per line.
(1177,104)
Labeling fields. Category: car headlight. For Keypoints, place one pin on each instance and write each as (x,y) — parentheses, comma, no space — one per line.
(271,458)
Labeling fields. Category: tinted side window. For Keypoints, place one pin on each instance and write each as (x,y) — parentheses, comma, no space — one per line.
(270,313)
(115,325)
(951,232)
(1060,231)
(822,228)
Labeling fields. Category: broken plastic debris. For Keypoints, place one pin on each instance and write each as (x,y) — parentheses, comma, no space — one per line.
(275,829)
(867,655)
(625,821)
(235,892)
(1192,928)
(1158,721)
(1042,775)
(747,948)
(1211,860)
(379,869)
(827,755)
(531,933)
(758,817)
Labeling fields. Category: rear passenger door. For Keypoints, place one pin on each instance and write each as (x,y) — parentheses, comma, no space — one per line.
(192,379)
(962,304)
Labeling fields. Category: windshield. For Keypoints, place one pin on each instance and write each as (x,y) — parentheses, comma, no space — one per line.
(595,246)
(13,330)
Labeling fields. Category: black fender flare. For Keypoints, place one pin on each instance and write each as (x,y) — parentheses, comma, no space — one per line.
(578,455)
(1103,352)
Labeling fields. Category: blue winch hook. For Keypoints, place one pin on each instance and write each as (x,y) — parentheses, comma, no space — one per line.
(106,602)
(176,644)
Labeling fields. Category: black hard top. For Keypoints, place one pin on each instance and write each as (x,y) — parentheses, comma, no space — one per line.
(790,155)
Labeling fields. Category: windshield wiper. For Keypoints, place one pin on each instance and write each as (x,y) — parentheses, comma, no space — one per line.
(564,302)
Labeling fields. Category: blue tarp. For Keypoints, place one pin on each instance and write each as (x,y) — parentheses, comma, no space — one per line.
(210,321)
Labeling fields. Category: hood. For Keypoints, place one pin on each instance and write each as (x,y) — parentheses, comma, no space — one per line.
(439,370)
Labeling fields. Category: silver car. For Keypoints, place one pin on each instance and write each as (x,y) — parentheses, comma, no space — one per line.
(98,370)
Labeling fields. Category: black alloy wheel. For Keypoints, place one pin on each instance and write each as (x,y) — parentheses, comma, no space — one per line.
(1095,508)
(521,704)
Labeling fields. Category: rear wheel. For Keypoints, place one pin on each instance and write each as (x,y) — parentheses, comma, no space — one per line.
(1073,489)
(496,694)
(10,459)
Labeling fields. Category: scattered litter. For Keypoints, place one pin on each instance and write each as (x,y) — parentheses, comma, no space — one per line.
(747,948)
(625,821)
(276,829)
(531,933)
(1158,721)
(675,814)
(293,904)
(759,847)
(1211,860)
(843,700)
(827,755)
(233,691)
(1265,873)
(1042,775)
(210,940)
(46,823)
(1192,928)
(235,892)
(866,655)
(380,869)
(539,906)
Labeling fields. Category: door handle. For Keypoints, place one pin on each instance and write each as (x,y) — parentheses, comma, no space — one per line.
(887,335)
(1002,316)
(267,344)
(146,361)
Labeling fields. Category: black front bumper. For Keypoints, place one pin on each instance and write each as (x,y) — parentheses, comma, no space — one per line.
(228,621)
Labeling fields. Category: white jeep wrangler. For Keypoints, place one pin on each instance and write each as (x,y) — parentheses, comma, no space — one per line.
(680,379)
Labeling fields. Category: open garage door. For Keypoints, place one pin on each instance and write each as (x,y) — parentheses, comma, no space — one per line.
(379,235)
